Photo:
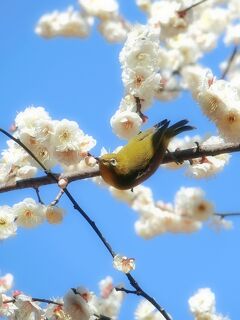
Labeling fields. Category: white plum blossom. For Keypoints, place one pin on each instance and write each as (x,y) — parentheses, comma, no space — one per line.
(123,264)
(26,308)
(190,203)
(70,143)
(100,8)
(187,47)
(139,61)
(56,312)
(114,30)
(210,165)
(144,5)
(215,19)
(26,120)
(126,124)
(6,283)
(54,214)
(15,164)
(141,82)
(29,213)
(169,59)
(123,195)
(203,305)
(146,311)
(169,17)
(68,23)
(205,40)
(232,34)
(221,103)
(8,226)
(196,79)
(7,309)
(219,223)
(110,300)
(203,301)
(76,304)
(67,136)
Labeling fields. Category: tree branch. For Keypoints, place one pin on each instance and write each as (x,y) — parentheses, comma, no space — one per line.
(179,155)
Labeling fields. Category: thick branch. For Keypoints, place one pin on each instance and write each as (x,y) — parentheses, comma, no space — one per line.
(179,155)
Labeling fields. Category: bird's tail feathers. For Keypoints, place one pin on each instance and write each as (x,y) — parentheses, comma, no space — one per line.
(163,123)
(179,127)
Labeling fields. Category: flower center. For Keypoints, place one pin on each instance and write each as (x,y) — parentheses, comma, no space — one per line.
(232,117)
(2,222)
(28,213)
(201,207)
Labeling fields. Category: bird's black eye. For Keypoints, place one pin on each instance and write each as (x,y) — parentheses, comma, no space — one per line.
(113,162)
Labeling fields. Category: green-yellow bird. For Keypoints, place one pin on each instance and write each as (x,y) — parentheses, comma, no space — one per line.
(141,157)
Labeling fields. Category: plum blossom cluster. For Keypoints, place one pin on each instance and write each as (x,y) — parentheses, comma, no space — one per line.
(141,78)
(80,303)
(219,100)
(77,303)
(79,23)
(157,57)
(200,167)
(203,305)
(187,213)
(27,214)
(51,141)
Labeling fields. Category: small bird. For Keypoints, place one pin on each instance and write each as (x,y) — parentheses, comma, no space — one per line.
(141,156)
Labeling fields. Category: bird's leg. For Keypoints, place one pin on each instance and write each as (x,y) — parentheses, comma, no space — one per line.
(198,148)
(139,112)
(173,157)
(204,159)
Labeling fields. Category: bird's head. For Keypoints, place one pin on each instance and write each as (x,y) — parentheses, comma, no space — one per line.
(109,160)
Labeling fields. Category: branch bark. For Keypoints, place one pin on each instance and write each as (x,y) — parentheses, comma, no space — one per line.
(179,155)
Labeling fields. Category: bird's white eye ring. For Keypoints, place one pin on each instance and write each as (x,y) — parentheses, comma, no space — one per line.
(113,162)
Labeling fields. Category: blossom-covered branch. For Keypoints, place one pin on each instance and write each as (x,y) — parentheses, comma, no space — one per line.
(171,157)
(93,225)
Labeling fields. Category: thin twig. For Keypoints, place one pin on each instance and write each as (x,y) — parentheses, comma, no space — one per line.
(226,215)
(178,155)
(184,11)
(126,290)
(76,206)
(230,61)
(57,199)
(139,109)
(37,300)
(38,195)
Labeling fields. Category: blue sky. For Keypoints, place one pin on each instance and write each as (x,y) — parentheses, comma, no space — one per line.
(81,80)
